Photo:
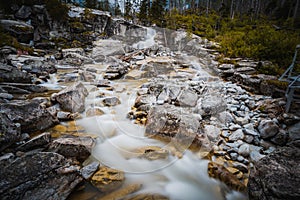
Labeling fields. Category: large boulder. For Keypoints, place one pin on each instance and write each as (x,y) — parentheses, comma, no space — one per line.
(43,175)
(9,131)
(73,147)
(13,75)
(173,124)
(276,176)
(268,128)
(21,30)
(211,105)
(30,115)
(72,98)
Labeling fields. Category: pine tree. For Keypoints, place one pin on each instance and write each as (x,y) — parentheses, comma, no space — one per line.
(144,12)
(128,9)
(157,11)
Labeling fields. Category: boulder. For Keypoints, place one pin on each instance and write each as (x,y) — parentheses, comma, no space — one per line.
(30,115)
(111,101)
(72,98)
(108,179)
(219,172)
(115,71)
(107,48)
(187,98)
(276,176)
(38,67)
(40,141)
(10,132)
(12,74)
(21,30)
(268,128)
(23,13)
(211,105)
(73,147)
(35,176)
(174,125)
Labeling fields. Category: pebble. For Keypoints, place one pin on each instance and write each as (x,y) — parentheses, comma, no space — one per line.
(234,127)
(244,150)
(236,135)
(234,156)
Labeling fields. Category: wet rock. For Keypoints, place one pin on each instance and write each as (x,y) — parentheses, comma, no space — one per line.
(22,88)
(147,197)
(94,112)
(38,67)
(123,192)
(221,173)
(38,176)
(61,115)
(115,71)
(88,171)
(10,131)
(111,101)
(30,115)
(40,141)
(107,179)
(276,176)
(107,48)
(294,131)
(268,128)
(11,74)
(187,98)
(152,153)
(175,124)
(72,98)
(73,147)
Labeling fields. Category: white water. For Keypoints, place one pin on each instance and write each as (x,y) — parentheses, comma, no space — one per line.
(179,179)
(149,40)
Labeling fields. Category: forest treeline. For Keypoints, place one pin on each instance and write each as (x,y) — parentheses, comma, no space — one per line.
(257,29)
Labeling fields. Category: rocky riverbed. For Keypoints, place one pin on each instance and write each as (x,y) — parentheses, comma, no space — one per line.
(142,115)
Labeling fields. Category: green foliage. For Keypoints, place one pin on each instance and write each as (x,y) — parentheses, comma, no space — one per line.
(7,40)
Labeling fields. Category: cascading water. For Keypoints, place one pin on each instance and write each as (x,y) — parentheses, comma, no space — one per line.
(183,178)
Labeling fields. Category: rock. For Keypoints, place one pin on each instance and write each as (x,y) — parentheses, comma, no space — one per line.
(240,166)
(244,150)
(61,115)
(125,191)
(88,171)
(111,101)
(23,13)
(187,98)
(221,173)
(236,135)
(40,141)
(294,131)
(6,96)
(280,138)
(13,75)
(212,132)
(73,147)
(276,176)
(94,112)
(147,197)
(152,153)
(21,30)
(42,175)
(31,115)
(115,72)
(211,105)
(107,179)
(234,127)
(107,48)
(72,98)
(242,120)
(175,124)
(10,131)
(35,66)
(268,128)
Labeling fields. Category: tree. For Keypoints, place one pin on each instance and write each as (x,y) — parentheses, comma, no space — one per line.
(157,11)
(128,9)
(91,4)
(144,12)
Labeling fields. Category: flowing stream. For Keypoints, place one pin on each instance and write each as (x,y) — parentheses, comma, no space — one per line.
(183,178)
